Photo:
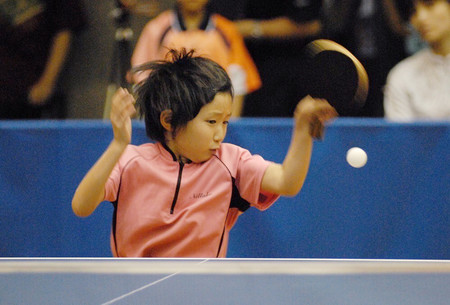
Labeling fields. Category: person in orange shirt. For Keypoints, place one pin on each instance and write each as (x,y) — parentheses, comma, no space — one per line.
(191,25)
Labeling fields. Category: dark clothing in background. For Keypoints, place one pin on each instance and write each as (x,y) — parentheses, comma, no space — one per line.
(27,29)
(362,26)
(279,61)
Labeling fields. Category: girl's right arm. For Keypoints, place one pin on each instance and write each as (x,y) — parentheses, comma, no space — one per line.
(91,190)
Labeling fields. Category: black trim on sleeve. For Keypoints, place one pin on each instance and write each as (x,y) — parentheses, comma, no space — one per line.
(114,218)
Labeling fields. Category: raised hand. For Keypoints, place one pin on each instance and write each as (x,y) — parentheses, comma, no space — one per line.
(314,113)
(122,110)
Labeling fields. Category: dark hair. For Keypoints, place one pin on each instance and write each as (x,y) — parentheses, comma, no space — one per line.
(182,84)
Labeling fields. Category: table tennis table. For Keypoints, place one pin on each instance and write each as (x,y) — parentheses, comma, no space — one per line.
(223,281)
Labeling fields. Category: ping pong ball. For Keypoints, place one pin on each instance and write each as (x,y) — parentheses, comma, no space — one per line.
(356,157)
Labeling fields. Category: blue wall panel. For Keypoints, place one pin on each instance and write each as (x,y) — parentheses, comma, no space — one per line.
(397,206)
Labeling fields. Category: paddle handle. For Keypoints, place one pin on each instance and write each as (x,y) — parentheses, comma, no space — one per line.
(316,129)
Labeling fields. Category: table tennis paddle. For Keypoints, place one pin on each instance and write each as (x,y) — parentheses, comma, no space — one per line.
(334,74)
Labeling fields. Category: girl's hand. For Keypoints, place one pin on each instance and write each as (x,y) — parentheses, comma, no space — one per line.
(313,113)
(122,109)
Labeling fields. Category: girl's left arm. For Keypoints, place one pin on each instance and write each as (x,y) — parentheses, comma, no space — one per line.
(287,178)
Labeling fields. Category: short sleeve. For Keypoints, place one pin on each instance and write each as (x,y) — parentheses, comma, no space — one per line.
(250,171)
(112,185)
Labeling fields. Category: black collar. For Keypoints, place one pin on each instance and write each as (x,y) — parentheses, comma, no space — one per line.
(174,157)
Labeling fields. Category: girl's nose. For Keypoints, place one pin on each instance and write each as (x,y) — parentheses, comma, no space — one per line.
(220,133)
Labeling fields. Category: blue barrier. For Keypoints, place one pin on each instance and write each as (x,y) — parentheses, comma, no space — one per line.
(397,206)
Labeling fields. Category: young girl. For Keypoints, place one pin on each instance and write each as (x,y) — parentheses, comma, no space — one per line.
(180,196)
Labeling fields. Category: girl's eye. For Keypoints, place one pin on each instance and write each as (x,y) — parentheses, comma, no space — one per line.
(226,122)
(212,121)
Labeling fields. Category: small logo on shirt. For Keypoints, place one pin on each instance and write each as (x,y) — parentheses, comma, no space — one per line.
(201,195)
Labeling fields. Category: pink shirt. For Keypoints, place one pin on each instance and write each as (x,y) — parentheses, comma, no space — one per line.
(170,210)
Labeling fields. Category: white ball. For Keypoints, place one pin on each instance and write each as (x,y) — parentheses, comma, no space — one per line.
(356,157)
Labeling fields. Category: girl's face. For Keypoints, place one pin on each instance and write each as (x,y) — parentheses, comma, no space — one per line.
(202,136)
(432,20)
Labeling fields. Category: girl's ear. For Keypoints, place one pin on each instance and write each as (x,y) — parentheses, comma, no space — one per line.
(165,118)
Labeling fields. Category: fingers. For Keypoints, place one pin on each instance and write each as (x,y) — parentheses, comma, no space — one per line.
(316,113)
(316,129)
(122,107)
(324,111)
(309,108)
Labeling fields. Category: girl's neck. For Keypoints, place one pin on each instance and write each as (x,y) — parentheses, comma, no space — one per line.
(170,147)
(193,20)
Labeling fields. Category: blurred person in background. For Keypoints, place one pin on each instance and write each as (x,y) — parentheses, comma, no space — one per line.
(192,25)
(35,40)
(418,88)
